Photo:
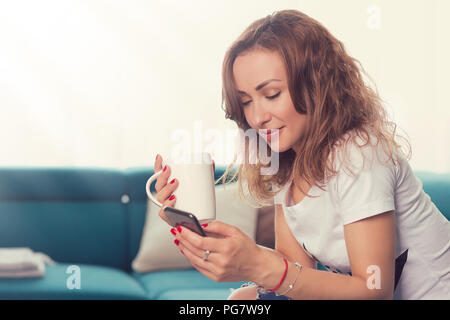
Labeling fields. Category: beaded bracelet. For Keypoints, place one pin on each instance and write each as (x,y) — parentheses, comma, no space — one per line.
(291,286)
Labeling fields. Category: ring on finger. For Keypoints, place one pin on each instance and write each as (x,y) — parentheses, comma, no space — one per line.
(205,255)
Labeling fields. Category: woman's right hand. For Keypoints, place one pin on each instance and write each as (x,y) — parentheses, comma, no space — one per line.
(164,190)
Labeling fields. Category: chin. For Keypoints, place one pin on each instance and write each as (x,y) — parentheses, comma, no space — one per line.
(281,148)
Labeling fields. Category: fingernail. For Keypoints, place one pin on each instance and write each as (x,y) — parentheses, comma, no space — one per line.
(172,197)
(157,156)
(179,229)
(204,225)
(165,167)
(171,182)
(176,241)
(174,232)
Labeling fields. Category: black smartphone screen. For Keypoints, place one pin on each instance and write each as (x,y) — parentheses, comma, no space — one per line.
(185,219)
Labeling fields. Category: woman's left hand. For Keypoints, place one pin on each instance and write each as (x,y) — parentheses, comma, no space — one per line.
(232,257)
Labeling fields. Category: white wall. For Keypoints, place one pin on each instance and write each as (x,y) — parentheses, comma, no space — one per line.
(107,83)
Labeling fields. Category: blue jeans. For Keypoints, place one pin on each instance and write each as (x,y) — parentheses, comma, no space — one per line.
(271,296)
(262,295)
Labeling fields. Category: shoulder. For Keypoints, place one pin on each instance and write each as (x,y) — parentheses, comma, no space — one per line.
(354,153)
(364,164)
(366,179)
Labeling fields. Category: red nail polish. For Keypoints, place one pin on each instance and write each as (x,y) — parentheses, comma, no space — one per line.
(179,229)
(165,167)
(172,197)
(171,182)
(176,242)
(173,231)
(204,225)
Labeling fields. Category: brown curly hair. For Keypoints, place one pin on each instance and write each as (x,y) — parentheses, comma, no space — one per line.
(325,84)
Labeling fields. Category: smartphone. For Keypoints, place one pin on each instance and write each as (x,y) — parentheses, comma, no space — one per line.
(185,219)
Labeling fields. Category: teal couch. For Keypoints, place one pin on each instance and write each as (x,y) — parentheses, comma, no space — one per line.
(93,218)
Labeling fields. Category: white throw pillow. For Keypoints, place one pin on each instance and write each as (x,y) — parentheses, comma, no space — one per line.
(157,250)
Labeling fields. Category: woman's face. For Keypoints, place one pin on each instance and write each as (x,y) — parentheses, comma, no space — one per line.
(261,80)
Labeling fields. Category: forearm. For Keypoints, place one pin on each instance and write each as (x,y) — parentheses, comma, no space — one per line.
(311,283)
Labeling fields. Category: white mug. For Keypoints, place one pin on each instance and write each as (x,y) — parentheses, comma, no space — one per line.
(195,192)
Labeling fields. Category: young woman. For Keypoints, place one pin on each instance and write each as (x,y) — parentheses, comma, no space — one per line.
(345,195)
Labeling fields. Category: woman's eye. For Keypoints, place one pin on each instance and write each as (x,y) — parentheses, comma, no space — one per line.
(274,96)
(271,97)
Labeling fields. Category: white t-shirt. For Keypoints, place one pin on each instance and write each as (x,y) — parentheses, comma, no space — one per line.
(422,232)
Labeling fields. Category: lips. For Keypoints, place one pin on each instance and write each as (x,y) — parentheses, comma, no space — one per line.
(272,132)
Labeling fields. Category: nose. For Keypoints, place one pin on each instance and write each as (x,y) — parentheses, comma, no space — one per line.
(261,115)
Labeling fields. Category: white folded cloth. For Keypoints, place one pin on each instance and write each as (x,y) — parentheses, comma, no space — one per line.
(22,263)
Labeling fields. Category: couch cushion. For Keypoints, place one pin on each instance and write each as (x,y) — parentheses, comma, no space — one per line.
(72,214)
(96,283)
(158,282)
(25,184)
(91,233)
(195,294)
(137,206)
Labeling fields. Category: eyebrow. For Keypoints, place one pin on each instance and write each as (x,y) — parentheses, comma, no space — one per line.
(261,85)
